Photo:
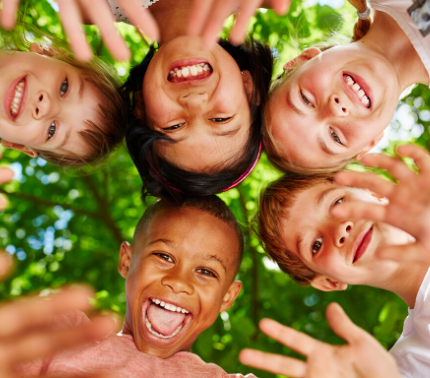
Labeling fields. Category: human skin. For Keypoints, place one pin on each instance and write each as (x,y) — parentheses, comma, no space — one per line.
(55,104)
(316,108)
(209,118)
(185,257)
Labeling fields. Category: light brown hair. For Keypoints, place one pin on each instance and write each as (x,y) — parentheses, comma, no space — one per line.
(275,202)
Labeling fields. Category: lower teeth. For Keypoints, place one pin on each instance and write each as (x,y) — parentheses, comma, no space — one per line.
(149,326)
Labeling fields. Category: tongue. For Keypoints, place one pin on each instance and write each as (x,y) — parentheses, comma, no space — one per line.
(163,321)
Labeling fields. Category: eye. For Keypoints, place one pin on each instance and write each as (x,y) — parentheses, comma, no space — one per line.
(305,100)
(220,120)
(339,201)
(164,257)
(205,272)
(317,245)
(174,127)
(51,130)
(64,87)
(335,137)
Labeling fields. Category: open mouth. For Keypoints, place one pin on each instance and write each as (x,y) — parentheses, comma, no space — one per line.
(15,98)
(197,71)
(165,320)
(362,243)
(362,96)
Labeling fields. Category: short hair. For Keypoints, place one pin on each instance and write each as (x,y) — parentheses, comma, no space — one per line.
(252,56)
(212,205)
(107,131)
(275,202)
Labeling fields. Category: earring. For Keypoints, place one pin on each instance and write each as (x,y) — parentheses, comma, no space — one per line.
(243,73)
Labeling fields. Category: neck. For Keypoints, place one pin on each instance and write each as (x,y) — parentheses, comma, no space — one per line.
(388,38)
(172,18)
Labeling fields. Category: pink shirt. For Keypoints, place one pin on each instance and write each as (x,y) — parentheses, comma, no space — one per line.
(119,354)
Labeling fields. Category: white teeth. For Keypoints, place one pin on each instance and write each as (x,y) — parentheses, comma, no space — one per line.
(157,301)
(360,94)
(162,304)
(169,306)
(16,101)
(179,73)
(199,69)
(185,72)
(356,87)
(193,70)
(189,70)
(365,101)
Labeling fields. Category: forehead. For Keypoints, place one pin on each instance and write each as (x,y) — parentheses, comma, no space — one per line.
(194,233)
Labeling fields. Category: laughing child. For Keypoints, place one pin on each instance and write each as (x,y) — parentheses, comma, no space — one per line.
(179,275)
(330,253)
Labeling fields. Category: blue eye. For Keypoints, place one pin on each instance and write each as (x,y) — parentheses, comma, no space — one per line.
(64,87)
(51,130)
(317,245)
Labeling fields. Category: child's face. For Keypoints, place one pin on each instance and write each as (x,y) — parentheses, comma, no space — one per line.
(342,250)
(208,116)
(45,103)
(186,258)
(317,119)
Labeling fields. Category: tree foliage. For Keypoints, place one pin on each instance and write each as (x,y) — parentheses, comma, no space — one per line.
(65,226)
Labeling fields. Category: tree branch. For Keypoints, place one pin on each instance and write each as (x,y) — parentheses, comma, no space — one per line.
(254,254)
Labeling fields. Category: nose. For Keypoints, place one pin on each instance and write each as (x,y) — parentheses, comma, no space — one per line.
(338,106)
(43,105)
(193,100)
(178,282)
(342,233)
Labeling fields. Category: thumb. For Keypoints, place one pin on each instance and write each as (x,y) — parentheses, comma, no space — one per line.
(406,253)
(341,324)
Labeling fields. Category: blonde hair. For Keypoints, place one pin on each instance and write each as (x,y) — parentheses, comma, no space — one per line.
(100,136)
(272,148)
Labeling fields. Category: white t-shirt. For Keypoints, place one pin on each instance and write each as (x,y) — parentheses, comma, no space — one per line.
(397,9)
(119,14)
(412,350)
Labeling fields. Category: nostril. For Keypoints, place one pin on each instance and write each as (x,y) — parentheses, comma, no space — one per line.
(336,100)
(344,110)
(348,228)
(342,240)
(37,111)
(41,97)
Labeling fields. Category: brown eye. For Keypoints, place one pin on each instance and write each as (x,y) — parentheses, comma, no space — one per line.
(220,120)
(174,127)
(317,245)
(335,137)
(305,100)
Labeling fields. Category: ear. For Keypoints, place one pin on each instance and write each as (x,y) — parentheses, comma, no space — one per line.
(40,49)
(248,83)
(229,297)
(139,106)
(302,58)
(372,144)
(19,147)
(325,283)
(124,259)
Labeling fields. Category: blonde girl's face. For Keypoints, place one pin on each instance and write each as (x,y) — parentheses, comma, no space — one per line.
(333,107)
(45,103)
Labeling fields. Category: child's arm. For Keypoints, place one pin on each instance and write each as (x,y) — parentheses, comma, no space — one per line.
(207,17)
(362,356)
(409,200)
(73,13)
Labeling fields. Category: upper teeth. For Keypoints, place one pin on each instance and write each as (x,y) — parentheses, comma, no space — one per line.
(189,70)
(16,101)
(169,306)
(357,89)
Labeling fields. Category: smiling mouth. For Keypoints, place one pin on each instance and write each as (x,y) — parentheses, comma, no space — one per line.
(363,244)
(359,92)
(187,73)
(17,98)
(165,320)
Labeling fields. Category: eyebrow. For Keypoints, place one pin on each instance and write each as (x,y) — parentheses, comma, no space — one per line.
(164,241)
(81,88)
(323,195)
(216,258)
(295,108)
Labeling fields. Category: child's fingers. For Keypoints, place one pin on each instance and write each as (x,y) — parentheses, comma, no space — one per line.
(221,10)
(16,317)
(397,168)
(360,210)
(72,24)
(8,13)
(42,343)
(281,7)
(419,154)
(273,363)
(291,338)
(246,11)
(101,15)
(342,325)
(140,17)
(404,253)
(5,264)
(6,175)
(198,16)
(366,180)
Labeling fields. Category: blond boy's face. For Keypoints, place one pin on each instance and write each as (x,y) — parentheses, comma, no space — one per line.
(343,250)
(178,279)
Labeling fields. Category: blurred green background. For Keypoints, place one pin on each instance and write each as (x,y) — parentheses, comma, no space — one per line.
(63,226)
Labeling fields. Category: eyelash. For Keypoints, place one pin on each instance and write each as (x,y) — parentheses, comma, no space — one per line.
(335,137)
(174,127)
(317,243)
(52,129)
(220,120)
(206,270)
(164,256)
(305,100)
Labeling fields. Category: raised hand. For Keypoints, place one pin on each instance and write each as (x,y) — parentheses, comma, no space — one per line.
(409,201)
(362,356)
(207,17)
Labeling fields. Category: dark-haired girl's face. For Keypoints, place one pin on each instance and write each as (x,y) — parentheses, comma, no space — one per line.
(200,99)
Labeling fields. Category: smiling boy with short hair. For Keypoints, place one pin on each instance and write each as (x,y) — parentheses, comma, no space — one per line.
(179,275)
